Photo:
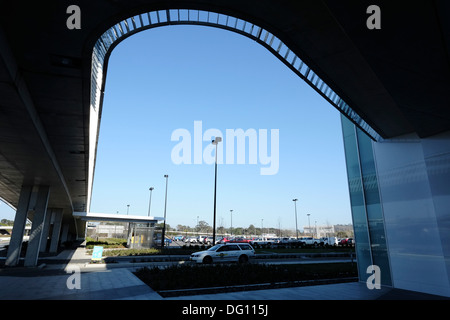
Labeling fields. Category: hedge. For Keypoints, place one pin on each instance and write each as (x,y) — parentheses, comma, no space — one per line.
(200,276)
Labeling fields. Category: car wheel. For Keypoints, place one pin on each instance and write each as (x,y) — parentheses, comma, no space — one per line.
(243,259)
(207,260)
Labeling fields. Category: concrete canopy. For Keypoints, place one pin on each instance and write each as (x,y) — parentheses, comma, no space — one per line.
(397,78)
(91,216)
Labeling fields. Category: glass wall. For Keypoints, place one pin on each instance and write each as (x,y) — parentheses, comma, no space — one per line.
(356,198)
(413,179)
(367,212)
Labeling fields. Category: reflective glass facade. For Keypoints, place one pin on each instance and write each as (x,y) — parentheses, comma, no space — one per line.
(413,179)
(367,211)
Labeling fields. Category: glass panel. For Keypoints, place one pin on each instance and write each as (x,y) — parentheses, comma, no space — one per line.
(203,16)
(223,19)
(373,208)
(356,198)
(368,221)
(173,15)
(183,15)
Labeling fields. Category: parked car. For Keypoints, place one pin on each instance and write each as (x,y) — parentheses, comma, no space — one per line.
(224,240)
(343,242)
(190,240)
(235,252)
(166,241)
(309,241)
(208,240)
(261,242)
(329,241)
(240,240)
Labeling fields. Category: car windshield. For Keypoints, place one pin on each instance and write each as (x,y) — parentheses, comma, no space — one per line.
(214,248)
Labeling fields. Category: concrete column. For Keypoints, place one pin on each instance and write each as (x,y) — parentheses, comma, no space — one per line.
(65,233)
(34,243)
(15,244)
(45,230)
(57,221)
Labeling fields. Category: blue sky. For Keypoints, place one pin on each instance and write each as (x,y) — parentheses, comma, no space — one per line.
(164,79)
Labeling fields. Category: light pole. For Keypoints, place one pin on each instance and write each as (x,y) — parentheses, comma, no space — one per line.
(295,205)
(231,228)
(216,143)
(309,222)
(129,223)
(150,200)
(315,229)
(165,208)
(262,228)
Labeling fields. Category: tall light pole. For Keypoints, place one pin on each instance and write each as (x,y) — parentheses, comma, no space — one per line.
(262,228)
(165,208)
(295,205)
(309,222)
(196,227)
(150,200)
(231,215)
(315,229)
(129,223)
(216,143)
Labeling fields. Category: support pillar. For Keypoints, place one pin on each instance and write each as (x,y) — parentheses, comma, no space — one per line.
(15,244)
(34,243)
(65,233)
(45,230)
(57,221)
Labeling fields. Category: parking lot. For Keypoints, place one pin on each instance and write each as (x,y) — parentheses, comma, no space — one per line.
(258,242)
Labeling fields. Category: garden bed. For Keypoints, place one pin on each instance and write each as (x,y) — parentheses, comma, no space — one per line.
(199,279)
(106,243)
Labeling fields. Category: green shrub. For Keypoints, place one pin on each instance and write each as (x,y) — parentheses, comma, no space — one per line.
(130,252)
(195,276)
(106,243)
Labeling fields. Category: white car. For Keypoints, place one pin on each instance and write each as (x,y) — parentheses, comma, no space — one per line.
(236,252)
(190,240)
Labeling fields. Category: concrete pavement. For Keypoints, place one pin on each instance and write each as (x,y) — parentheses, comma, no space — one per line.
(116,282)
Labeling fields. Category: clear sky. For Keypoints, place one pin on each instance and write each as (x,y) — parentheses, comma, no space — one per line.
(165,79)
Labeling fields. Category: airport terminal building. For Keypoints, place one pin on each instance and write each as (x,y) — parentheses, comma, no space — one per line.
(383,64)
(400,199)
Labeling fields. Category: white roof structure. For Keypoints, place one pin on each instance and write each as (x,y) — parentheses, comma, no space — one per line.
(91,216)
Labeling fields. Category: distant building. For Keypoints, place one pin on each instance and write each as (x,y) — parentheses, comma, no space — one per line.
(347,228)
(319,231)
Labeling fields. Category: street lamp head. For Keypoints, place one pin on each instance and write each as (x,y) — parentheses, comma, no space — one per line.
(294,199)
(151,188)
(217,140)
(166,176)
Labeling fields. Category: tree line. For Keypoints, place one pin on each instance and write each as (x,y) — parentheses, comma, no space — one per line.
(204,228)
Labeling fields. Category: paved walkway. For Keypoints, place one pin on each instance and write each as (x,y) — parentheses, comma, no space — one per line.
(115,282)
